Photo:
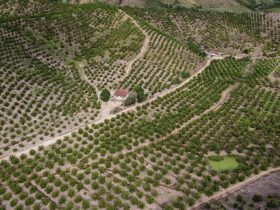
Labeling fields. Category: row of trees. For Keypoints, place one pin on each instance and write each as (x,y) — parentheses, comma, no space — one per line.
(183,26)
(161,67)
(123,161)
(43,92)
(99,151)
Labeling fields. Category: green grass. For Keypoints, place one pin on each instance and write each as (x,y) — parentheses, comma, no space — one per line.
(226,163)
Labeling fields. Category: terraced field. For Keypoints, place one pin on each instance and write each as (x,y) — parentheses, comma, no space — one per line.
(148,164)
(152,155)
(64,60)
(253,33)
(43,94)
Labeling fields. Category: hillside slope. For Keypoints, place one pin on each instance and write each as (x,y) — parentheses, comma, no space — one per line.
(223,31)
(209,4)
(229,5)
(57,150)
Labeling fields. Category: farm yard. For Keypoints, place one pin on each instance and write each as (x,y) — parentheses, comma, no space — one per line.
(198,126)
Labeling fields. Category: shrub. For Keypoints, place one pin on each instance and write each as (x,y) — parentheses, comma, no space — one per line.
(273,202)
(105,95)
(140,93)
(85,204)
(239,198)
(184,74)
(131,99)
(257,198)
(29,201)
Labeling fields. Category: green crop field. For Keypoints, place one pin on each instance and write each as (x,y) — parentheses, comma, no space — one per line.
(111,107)
(226,163)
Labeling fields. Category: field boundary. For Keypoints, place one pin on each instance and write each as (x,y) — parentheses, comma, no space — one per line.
(234,188)
(131,108)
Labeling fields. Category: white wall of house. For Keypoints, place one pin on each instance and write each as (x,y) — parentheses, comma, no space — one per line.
(119,98)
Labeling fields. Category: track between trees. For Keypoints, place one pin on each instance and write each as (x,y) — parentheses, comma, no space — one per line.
(233,188)
(272,75)
(131,108)
(143,50)
(224,97)
(82,73)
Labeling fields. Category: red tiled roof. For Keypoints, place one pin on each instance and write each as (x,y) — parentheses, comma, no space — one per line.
(121,92)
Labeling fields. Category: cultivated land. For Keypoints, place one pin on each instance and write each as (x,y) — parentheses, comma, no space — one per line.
(260,193)
(219,5)
(61,147)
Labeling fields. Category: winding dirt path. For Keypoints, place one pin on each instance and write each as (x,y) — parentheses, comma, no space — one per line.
(80,66)
(131,108)
(143,50)
(105,109)
(272,76)
(130,63)
(233,188)
(224,97)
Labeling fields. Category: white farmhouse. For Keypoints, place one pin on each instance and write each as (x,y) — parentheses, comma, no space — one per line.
(120,94)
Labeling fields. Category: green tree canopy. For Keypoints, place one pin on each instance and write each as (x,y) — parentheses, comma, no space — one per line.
(131,99)
(140,93)
(185,74)
(105,95)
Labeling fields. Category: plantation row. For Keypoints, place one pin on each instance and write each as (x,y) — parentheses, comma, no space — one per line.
(42,91)
(158,70)
(260,72)
(50,53)
(104,150)
(38,101)
(76,35)
(216,30)
(115,49)
(27,7)
(96,41)
(49,56)
(161,66)
(115,165)
(156,156)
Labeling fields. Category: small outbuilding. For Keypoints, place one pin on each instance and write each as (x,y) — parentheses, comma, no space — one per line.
(120,94)
(212,54)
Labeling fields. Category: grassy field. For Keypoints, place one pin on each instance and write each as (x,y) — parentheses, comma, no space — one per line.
(226,163)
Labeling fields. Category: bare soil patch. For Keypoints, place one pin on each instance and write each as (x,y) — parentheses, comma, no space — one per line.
(265,187)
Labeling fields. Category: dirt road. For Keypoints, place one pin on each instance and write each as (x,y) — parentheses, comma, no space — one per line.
(224,97)
(131,108)
(272,76)
(233,188)
(143,50)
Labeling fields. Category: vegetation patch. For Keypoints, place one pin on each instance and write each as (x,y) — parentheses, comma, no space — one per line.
(219,163)
(277,72)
